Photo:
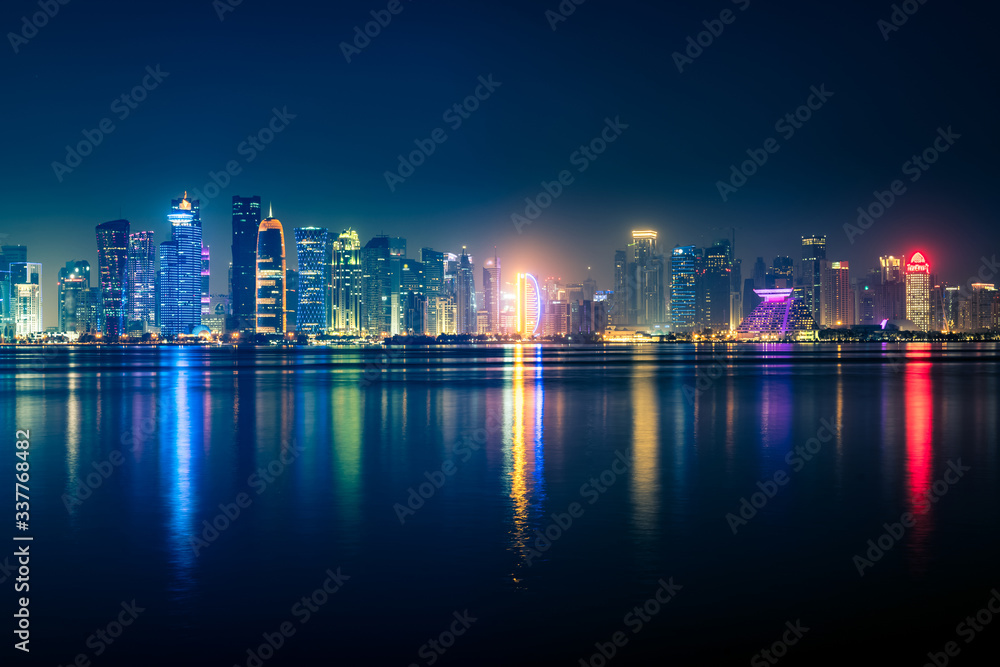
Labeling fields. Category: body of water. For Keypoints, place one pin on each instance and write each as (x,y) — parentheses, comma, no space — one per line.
(509,505)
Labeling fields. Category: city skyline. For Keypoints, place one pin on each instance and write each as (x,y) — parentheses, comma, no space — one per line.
(685,131)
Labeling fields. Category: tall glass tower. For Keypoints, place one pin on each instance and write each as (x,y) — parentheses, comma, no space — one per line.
(141,269)
(466,289)
(74,278)
(811,278)
(346,283)
(246,221)
(112,258)
(180,269)
(491,292)
(271,277)
(311,245)
(683,288)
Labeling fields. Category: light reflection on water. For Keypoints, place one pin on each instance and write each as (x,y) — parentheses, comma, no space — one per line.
(562,415)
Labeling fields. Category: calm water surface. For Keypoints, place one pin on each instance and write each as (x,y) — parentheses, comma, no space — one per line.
(337,456)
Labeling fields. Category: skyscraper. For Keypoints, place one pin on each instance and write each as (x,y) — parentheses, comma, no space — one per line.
(11,254)
(683,288)
(378,280)
(112,259)
(413,297)
(433,262)
(529,305)
(312,249)
(180,269)
(27,298)
(347,285)
(465,284)
(647,271)
(782,273)
(206,284)
(918,291)
(810,278)
(246,220)
(141,270)
(836,295)
(491,293)
(620,297)
(73,279)
(271,277)
(715,277)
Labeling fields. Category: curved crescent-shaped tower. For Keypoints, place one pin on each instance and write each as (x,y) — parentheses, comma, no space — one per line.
(270,277)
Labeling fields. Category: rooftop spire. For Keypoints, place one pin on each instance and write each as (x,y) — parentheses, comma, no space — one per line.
(270,210)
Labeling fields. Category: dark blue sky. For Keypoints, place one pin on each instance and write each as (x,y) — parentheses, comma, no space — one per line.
(557,87)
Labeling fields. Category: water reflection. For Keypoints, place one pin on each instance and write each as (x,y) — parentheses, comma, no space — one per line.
(919,452)
(523,466)
(176,456)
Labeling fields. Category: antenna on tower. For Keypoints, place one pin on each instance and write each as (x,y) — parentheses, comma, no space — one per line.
(270,210)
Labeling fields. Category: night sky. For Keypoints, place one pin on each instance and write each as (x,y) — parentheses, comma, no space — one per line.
(557,87)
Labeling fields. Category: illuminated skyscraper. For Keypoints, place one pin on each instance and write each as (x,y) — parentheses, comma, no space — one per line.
(836,295)
(27,297)
(891,269)
(918,291)
(376,264)
(112,258)
(180,269)
(312,248)
(618,308)
(647,272)
(346,288)
(465,290)
(413,297)
(141,270)
(271,277)
(715,278)
(529,305)
(811,272)
(73,279)
(782,273)
(683,288)
(491,293)
(434,262)
(206,284)
(246,220)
